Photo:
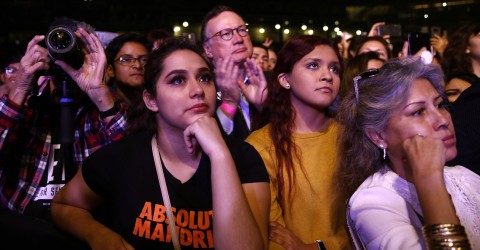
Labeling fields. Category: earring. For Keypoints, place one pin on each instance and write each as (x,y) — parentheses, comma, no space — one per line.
(287,86)
(384,151)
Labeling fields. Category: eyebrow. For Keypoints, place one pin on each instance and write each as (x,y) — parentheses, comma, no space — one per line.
(422,102)
(228,28)
(133,55)
(319,60)
(203,70)
(175,72)
(183,71)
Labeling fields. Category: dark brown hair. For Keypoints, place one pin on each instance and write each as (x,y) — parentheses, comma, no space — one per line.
(281,112)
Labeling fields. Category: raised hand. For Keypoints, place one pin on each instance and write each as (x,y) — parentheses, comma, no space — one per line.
(374,31)
(91,76)
(439,43)
(226,79)
(267,42)
(35,59)
(256,90)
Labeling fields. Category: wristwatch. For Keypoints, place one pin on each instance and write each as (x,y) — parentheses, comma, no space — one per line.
(112,111)
(320,245)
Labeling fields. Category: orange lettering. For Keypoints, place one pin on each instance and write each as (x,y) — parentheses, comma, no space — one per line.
(199,239)
(192,223)
(159,213)
(210,238)
(158,232)
(204,219)
(185,237)
(146,211)
(142,228)
(182,218)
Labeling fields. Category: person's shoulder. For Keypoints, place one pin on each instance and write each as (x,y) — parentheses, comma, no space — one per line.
(460,172)
(238,147)
(259,135)
(249,163)
(124,146)
(378,186)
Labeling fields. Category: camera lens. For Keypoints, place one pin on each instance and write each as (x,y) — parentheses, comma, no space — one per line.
(60,40)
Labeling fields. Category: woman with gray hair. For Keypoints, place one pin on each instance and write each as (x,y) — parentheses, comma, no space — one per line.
(396,138)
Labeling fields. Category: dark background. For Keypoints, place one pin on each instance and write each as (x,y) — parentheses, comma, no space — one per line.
(24,18)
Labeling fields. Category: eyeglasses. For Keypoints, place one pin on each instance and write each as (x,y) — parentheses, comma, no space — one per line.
(365,75)
(227,34)
(10,70)
(128,60)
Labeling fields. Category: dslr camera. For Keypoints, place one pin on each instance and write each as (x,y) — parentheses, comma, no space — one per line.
(62,44)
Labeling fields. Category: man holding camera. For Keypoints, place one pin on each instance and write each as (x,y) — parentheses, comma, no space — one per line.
(35,158)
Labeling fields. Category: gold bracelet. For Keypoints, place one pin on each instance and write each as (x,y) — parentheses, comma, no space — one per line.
(446,236)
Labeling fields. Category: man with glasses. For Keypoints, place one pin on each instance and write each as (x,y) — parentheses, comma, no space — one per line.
(240,81)
(127,55)
(9,71)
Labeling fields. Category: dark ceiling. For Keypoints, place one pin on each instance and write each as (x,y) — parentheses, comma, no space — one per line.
(23,18)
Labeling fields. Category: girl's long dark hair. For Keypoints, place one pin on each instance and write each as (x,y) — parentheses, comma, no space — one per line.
(282,114)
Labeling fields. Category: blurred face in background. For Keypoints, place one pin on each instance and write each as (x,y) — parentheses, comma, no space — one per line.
(455,87)
(272,59)
(374,64)
(376,47)
(129,64)
(261,57)
(473,47)
(8,77)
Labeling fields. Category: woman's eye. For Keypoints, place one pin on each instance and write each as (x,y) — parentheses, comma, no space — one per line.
(442,105)
(418,112)
(312,66)
(451,92)
(205,78)
(335,69)
(177,80)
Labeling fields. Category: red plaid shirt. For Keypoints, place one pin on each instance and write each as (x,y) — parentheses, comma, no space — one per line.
(23,162)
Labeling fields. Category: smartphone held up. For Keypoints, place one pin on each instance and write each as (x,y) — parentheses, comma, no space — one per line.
(417,41)
(391,29)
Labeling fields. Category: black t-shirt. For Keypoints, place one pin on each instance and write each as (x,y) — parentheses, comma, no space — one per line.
(124,173)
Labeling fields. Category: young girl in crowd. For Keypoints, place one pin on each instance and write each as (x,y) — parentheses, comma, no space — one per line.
(209,196)
(397,136)
(298,147)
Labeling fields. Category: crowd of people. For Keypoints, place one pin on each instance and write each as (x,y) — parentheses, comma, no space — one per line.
(160,142)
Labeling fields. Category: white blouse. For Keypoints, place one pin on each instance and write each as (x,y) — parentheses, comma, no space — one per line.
(385,213)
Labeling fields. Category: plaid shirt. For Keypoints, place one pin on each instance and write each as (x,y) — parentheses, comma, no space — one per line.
(25,145)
